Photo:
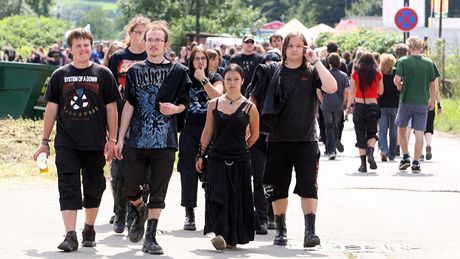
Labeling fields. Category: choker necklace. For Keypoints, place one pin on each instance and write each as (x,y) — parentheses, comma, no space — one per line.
(232,101)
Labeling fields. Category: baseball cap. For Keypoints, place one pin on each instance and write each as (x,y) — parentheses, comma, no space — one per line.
(248,37)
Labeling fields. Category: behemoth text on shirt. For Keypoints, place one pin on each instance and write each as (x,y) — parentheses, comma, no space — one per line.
(149,128)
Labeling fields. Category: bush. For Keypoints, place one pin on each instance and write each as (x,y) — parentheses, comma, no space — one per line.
(380,41)
(26,32)
(449,120)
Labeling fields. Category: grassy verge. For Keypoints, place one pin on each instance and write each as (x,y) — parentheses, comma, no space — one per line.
(449,120)
(20,138)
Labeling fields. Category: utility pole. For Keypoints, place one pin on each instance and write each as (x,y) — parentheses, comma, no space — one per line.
(197,26)
(406,33)
(443,49)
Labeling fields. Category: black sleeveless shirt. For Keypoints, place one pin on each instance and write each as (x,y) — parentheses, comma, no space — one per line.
(228,141)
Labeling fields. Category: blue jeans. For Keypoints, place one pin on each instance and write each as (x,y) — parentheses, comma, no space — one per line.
(331,125)
(387,122)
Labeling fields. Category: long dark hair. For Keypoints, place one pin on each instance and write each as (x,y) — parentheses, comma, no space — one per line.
(286,43)
(367,69)
(191,68)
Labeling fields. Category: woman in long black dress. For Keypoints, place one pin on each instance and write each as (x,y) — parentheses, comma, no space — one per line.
(229,210)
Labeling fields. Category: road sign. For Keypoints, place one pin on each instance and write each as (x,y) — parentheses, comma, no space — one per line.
(406,19)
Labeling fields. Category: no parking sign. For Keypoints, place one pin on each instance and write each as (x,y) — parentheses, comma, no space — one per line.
(406,19)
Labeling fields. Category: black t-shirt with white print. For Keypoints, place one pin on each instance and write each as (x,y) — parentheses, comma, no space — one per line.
(82,95)
(249,64)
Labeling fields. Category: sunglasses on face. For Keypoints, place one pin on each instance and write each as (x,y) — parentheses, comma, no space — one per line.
(249,42)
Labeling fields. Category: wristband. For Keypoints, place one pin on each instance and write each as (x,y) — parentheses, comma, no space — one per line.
(439,106)
(204,81)
(314,62)
(113,140)
(45,141)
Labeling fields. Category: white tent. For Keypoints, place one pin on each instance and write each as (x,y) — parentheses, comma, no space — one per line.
(295,25)
(317,29)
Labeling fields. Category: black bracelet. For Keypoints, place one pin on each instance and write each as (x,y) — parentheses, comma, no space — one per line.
(45,141)
(439,106)
(204,81)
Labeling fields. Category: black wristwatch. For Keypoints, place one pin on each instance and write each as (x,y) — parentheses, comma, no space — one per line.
(204,81)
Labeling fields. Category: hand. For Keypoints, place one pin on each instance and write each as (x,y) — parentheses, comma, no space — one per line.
(168,108)
(119,150)
(431,105)
(109,150)
(41,149)
(439,111)
(199,165)
(350,110)
(199,74)
(310,55)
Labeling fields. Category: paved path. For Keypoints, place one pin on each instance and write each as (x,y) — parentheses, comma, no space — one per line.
(386,214)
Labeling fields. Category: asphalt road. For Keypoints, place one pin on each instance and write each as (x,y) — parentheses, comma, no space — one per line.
(382,214)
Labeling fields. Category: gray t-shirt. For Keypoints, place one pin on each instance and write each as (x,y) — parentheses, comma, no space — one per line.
(334,102)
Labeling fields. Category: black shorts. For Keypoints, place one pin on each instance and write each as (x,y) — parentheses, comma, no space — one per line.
(282,157)
(135,164)
(69,163)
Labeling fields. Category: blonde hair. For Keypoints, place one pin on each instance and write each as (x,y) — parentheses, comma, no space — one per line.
(387,62)
(114,46)
(414,43)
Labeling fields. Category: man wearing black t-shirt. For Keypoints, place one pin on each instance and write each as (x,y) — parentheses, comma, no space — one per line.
(290,102)
(81,96)
(155,93)
(119,63)
(248,60)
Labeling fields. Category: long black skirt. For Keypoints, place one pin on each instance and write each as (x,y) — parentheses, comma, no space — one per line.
(229,202)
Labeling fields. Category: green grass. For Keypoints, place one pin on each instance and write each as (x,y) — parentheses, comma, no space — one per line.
(449,120)
(106,5)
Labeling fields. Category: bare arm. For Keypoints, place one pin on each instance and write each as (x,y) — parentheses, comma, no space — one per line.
(328,81)
(432,95)
(352,93)
(49,119)
(206,134)
(319,94)
(213,90)
(346,92)
(397,82)
(253,126)
(381,87)
(126,115)
(112,123)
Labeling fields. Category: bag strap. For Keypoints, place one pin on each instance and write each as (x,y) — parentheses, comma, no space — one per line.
(361,87)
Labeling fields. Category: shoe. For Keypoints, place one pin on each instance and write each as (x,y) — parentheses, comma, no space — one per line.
(428,153)
(332,156)
(416,168)
(339,146)
(422,158)
(130,217)
(281,231)
(189,223)
(151,245)
(404,164)
(310,238)
(362,169)
(112,219)
(119,224)
(384,157)
(219,243)
(89,236)
(136,231)
(271,224)
(372,163)
(70,242)
(262,230)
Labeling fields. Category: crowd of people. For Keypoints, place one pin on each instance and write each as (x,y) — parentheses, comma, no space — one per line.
(247,119)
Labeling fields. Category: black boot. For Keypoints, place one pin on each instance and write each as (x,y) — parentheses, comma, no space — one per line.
(281,231)
(310,239)
(363,167)
(370,158)
(150,243)
(189,223)
(70,242)
(89,236)
(136,231)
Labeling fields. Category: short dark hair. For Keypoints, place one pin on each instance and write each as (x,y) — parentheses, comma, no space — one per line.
(334,60)
(274,36)
(332,47)
(79,33)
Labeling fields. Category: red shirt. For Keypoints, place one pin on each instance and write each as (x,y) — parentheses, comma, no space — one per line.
(372,91)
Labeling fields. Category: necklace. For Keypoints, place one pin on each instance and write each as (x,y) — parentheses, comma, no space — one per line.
(231,100)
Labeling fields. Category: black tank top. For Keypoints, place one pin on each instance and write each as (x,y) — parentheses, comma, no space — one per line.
(229,137)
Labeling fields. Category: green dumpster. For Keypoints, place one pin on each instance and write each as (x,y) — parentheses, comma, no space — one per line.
(20,87)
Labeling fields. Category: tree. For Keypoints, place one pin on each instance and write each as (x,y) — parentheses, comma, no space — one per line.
(364,8)
(313,12)
(103,25)
(40,7)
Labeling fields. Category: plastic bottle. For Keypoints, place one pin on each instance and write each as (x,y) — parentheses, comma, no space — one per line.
(42,163)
